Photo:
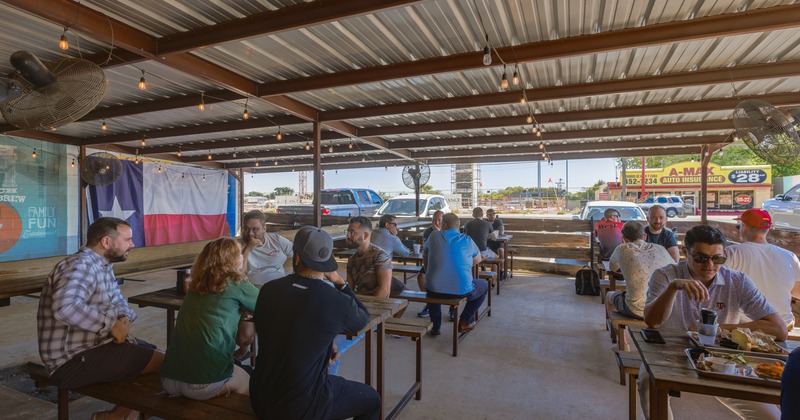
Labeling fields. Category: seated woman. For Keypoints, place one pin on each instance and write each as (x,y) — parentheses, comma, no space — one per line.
(199,360)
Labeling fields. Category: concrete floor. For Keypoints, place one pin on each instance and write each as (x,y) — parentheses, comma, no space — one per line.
(543,354)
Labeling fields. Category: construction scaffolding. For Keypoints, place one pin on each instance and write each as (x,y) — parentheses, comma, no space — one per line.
(465,181)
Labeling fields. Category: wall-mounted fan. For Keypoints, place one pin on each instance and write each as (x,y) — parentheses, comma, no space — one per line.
(101,169)
(50,94)
(414,178)
(767,131)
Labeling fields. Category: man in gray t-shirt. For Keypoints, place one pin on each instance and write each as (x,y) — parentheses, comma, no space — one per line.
(677,292)
(479,230)
(369,270)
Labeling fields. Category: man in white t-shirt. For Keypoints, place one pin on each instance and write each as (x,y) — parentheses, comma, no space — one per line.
(774,270)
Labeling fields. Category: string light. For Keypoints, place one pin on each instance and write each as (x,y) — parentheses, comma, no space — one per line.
(202,105)
(33,155)
(363,158)
(144,143)
(529,120)
(179,151)
(142,82)
(63,43)
(209,155)
(720,152)
(204,177)
(487,53)
(692,158)
(234,153)
(104,127)
(504,79)
(245,114)
(544,155)
(541,145)
(136,160)
(256,164)
(279,136)
(330,148)
(276,162)
(522,99)
(308,146)
(515,77)
(159,168)
(350,146)
(73,162)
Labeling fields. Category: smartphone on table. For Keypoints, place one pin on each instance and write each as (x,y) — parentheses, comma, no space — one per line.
(652,336)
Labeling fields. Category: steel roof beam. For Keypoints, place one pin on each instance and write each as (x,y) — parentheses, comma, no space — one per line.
(223,143)
(298,152)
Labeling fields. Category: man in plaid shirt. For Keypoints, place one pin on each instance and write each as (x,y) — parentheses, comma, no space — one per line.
(83,319)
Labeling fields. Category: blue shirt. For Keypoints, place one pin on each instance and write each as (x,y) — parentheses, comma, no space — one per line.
(384,240)
(449,269)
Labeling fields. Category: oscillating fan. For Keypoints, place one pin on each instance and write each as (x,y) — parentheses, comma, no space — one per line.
(767,131)
(101,169)
(52,94)
(415,179)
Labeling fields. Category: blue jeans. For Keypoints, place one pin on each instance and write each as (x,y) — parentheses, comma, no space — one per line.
(475,299)
(343,344)
(790,387)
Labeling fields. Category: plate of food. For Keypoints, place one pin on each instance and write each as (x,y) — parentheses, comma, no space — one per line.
(736,366)
(756,343)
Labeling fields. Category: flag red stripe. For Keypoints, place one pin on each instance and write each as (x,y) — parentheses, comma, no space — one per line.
(162,229)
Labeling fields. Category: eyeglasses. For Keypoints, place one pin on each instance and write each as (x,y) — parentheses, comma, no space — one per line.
(738,226)
(702,259)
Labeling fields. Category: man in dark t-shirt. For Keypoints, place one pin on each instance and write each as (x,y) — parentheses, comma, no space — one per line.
(497,225)
(297,319)
(479,230)
(657,233)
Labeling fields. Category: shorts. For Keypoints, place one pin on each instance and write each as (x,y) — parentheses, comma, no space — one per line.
(199,392)
(618,300)
(494,245)
(105,363)
(488,253)
(398,285)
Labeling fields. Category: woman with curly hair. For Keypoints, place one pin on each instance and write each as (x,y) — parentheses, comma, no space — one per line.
(199,360)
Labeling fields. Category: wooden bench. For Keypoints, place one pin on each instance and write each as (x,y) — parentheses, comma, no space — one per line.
(415,296)
(144,394)
(415,329)
(490,277)
(498,264)
(629,363)
(406,270)
(617,323)
(607,286)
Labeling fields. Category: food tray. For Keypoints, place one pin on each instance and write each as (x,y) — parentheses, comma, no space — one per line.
(751,361)
(783,355)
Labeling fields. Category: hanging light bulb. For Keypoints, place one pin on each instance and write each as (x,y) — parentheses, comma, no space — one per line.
(204,177)
(363,158)
(33,155)
(179,151)
(104,127)
(209,155)
(256,164)
(63,43)
(330,148)
(276,162)
(142,82)
(720,152)
(73,162)
(144,143)
(529,120)
(202,105)
(692,158)
(538,133)
(534,129)
(487,53)
(159,168)
(522,99)
(308,146)
(53,128)
(279,136)
(541,145)
(234,153)
(350,146)
(736,137)
(182,175)
(504,79)
(515,77)
(245,114)
(544,155)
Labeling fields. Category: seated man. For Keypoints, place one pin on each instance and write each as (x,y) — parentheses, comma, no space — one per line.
(774,270)
(369,270)
(436,225)
(385,237)
(657,233)
(297,320)
(677,293)
(449,257)
(83,320)
(498,229)
(637,260)
(608,232)
(479,230)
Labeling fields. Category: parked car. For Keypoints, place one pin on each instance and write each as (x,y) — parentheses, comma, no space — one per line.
(403,205)
(673,205)
(785,209)
(595,209)
(347,202)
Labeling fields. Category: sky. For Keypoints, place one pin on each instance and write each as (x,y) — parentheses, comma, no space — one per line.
(494,176)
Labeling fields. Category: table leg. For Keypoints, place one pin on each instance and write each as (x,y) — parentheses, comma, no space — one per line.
(379,362)
(170,324)
(505,262)
(455,331)
(659,402)
(368,357)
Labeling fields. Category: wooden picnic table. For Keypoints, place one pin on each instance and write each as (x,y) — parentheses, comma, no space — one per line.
(671,372)
(504,239)
(380,310)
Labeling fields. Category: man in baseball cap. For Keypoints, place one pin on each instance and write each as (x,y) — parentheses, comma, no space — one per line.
(774,270)
(297,318)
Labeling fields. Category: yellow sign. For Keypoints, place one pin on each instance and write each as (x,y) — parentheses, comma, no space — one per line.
(688,174)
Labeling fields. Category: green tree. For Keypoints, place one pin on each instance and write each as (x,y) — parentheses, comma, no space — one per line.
(284,191)
(428,189)
(736,154)
(255,194)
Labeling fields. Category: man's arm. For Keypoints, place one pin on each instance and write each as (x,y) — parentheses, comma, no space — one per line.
(351,281)
(72,289)
(659,310)
(674,253)
(613,261)
(384,283)
(246,253)
(399,248)
(771,324)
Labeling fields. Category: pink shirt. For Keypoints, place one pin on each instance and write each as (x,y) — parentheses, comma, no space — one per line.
(609,234)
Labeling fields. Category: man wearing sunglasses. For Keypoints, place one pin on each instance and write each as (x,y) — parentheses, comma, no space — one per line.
(774,270)
(677,293)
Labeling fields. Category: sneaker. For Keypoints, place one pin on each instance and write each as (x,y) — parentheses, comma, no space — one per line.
(424,312)
(452,315)
(436,332)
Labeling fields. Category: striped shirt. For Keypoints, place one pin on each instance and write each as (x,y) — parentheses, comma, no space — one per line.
(79,305)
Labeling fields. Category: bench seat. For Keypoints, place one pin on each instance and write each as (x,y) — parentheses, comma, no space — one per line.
(616,325)
(144,394)
(415,296)
(414,329)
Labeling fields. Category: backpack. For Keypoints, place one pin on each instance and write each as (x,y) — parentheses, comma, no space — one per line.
(587,282)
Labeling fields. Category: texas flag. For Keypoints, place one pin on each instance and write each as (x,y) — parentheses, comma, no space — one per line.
(165,204)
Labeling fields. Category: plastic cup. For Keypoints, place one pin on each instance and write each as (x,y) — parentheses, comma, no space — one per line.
(417,248)
(707,334)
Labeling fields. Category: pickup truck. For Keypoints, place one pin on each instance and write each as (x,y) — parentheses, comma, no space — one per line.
(346,202)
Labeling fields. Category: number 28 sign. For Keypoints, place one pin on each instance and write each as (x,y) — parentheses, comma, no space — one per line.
(747,176)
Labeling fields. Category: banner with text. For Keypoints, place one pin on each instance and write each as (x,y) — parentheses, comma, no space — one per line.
(688,175)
